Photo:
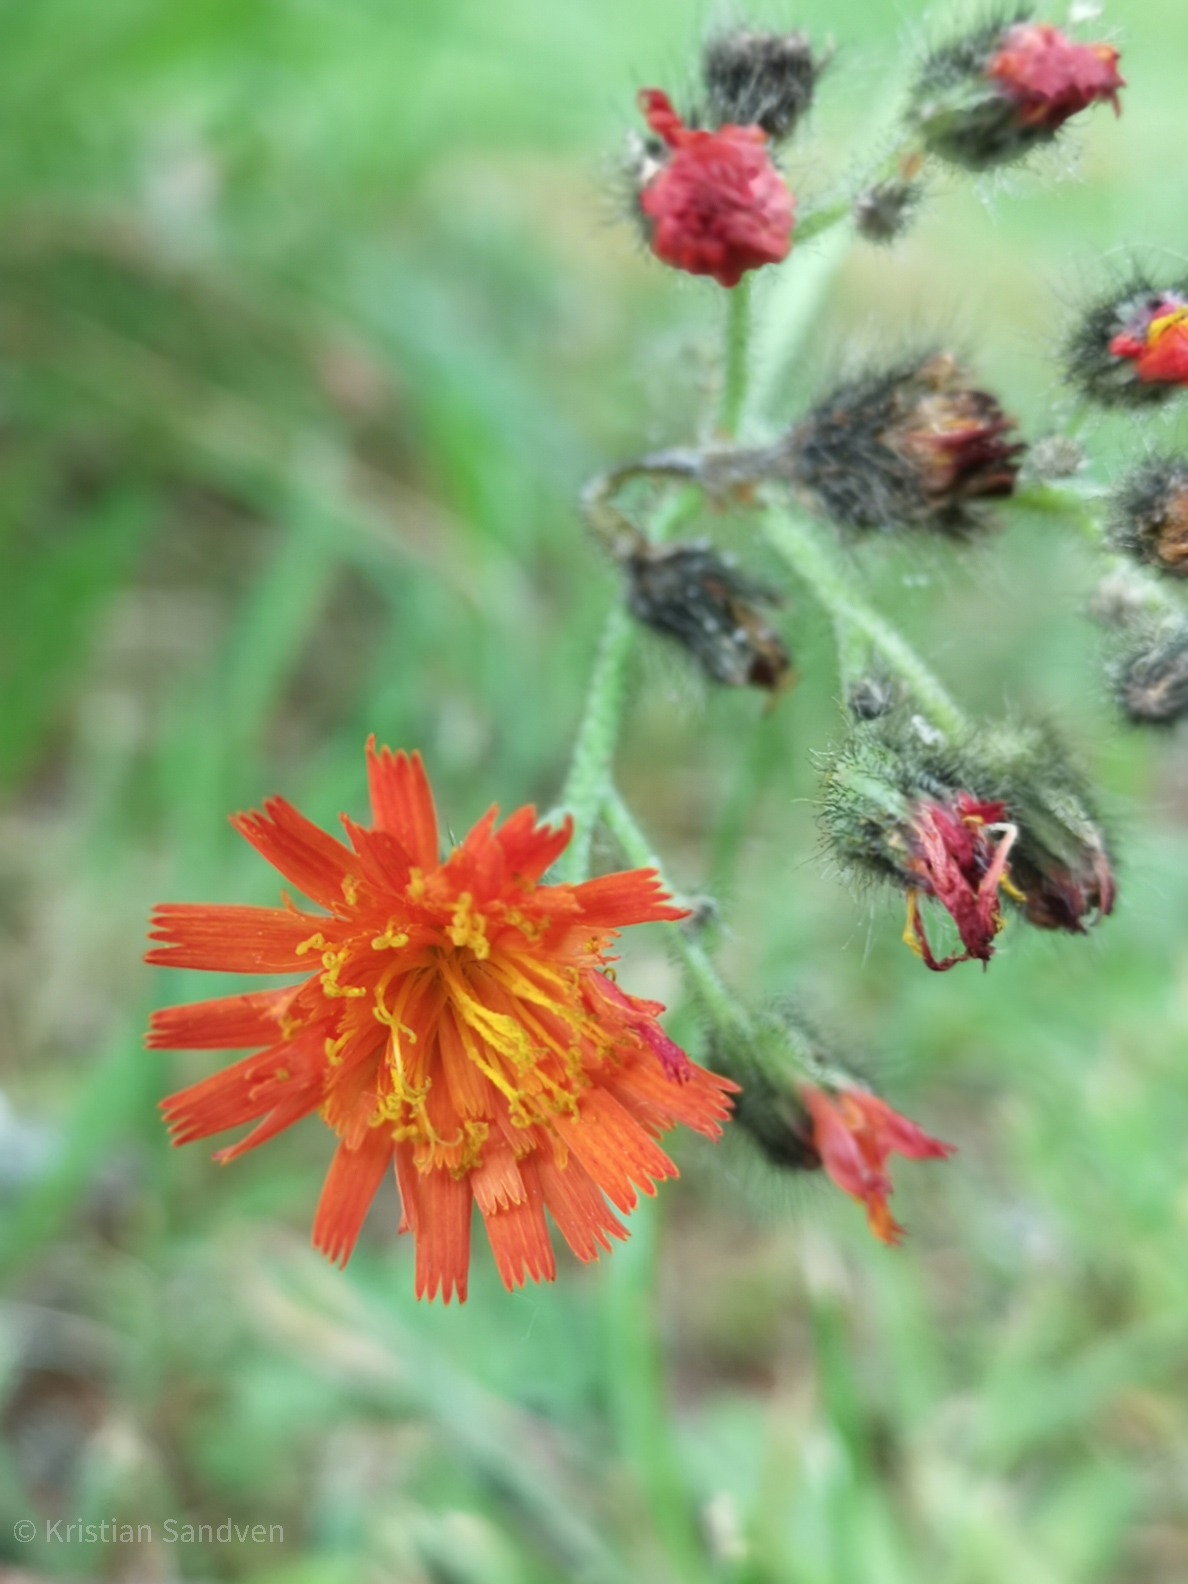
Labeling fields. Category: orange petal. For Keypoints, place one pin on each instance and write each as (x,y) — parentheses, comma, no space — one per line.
(701,1101)
(287,1075)
(519,1236)
(351,1184)
(442,1224)
(230,1023)
(383,862)
(497,1183)
(583,1217)
(614,1149)
(304,853)
(528,848)
(633,896)
(402,802)
(230,939)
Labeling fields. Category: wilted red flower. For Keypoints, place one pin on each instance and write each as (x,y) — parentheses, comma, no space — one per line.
(1050,77)
(854,1132)
(958,863)
(462,1025)
(718,206)
(1157,342)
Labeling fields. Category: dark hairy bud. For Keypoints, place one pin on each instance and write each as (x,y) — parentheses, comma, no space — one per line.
(700,598)
(759,79)
(915,446)
(872,697)
(1150,514)
(1130,347)
(992,95)
(883,212)
(1151,681)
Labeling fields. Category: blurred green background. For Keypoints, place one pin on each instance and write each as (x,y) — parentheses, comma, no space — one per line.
(313,319)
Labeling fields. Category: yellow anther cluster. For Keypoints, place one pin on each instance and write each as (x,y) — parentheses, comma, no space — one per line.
(469,929)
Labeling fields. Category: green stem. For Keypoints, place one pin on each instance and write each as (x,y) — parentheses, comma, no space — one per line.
(717,1002)
(803,547)
(589,767)
(738,339)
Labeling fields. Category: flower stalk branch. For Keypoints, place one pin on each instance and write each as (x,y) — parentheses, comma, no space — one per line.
(720,1006)
(801,545)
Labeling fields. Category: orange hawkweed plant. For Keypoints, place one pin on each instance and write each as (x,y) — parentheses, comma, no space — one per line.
(461,1026)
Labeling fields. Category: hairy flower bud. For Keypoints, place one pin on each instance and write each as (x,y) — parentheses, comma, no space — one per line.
(1151,680)
(1000,818)
(916,446)
(805,1112)
(759,79)
(1130,348)
(717,205)
(883,212)
(1150,514)
(700,598)
(996,93)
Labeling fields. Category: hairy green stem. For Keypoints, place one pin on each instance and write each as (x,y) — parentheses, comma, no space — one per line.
(716,1000)
(738,341)
(803,547)
(597,736)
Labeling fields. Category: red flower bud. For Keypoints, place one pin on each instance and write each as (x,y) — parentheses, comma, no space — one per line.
(718,206)
(992,95)
(1050,77)
(854,1132)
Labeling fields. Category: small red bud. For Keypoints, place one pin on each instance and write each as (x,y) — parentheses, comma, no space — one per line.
(717,206)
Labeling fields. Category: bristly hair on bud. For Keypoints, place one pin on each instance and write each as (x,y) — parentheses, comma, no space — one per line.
(915,446)
(1000,818)
(805,1112)
(759,79)
(1151,678)
(995,93)
(1130,347)
(700,598)
(1149,516)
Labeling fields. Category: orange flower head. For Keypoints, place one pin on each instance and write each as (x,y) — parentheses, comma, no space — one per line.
(1156,341)
(854,1132)
(461,1023)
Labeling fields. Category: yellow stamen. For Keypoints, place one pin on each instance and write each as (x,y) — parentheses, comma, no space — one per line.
(910,937)
(468,929)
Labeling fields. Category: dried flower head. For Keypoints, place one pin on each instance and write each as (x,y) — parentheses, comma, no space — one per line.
(461,1026)
(1151,678)
(700,598)
(999,819)
(916,446)
(1130,348)
(805,1112)
(759,79)
(717,206)
(996,93)
(1150,514)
